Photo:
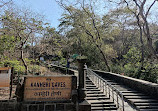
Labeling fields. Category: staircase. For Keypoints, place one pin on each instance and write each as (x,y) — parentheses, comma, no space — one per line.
(141,101)
(97,99)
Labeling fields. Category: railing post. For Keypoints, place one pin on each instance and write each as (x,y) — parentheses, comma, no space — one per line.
(106,88)
(117,100)
(103,87)
(109,91)
(113,94)
(98,82)
(95,80)
(122,103)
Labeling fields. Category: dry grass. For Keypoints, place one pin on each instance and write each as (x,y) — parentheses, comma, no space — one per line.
(46,71)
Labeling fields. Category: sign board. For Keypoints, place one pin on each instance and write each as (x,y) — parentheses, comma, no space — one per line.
(5,74)
(47,88)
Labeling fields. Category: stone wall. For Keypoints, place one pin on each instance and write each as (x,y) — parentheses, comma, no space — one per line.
(22,106)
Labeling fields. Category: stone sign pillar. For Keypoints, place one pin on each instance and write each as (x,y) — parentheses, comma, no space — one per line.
(82,79)
(83,104)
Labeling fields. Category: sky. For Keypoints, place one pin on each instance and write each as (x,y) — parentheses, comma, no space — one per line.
(49,8)
(52,11)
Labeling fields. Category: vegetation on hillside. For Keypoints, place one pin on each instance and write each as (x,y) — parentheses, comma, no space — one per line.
(122,38)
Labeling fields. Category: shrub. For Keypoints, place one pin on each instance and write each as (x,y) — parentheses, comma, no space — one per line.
(18,68)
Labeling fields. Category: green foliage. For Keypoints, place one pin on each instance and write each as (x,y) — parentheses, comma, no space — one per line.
(6,43)
(130,66)
(150,72)
(82,57)
(63,61)
(33,69)
(130,69)
(109,51)
(114,36)
(117,67)
(18,68)
(156,46)
(130,63)
(132,56)
(29,61)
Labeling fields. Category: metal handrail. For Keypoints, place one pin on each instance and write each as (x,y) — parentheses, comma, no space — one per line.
(109,87)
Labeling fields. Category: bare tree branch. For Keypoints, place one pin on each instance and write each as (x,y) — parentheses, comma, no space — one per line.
(149,8)
(4,3)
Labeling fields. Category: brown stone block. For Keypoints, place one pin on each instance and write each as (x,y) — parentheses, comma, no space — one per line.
(70,107)
(49,107)
(84,106)
(60,107)
(33,107)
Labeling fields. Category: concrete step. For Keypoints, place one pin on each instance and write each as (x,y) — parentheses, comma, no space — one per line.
(148,110)
(148,107)
(88,81)
(94,92)
(96,98)
(129,91)
(114,83)
(146,104)
(95,95)
(101,102)
(121,89)
(103,108)
(108,80)
(90,85)
(136,97)
(103,105)
(91,88)
(133,94)
(143,100)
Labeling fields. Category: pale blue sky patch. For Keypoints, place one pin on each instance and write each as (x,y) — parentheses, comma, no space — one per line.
(53,12)
(49,8)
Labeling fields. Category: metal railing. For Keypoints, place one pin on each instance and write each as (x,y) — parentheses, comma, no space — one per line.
(108,89)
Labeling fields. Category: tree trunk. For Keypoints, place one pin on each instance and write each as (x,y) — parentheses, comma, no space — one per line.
(149,41)
(146,31)
(23,61)
(142,46)
(104,57)
(141,41)
(105,60)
